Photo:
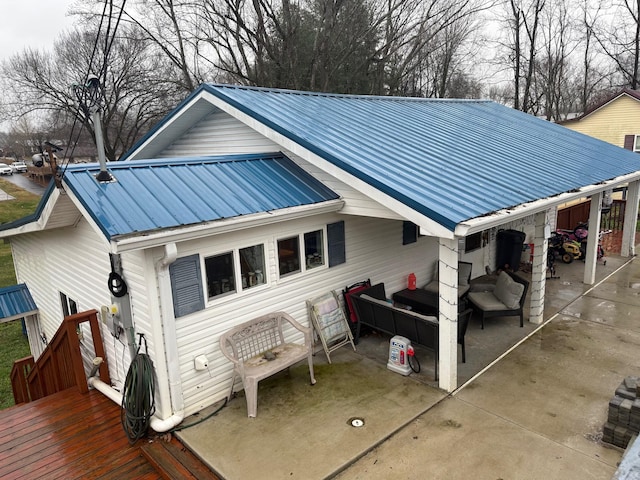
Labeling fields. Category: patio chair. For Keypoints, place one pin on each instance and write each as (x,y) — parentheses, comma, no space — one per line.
(464,279)
(330,323)
(463,323)
(505,299)
(350,311)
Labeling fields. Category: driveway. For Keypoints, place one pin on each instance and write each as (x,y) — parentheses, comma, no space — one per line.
(23,181)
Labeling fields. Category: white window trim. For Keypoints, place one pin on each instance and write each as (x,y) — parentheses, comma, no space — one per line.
(303,264)
(636,143)
(239,291)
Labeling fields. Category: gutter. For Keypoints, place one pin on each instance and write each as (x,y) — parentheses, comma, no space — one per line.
(146,240)
(500,217)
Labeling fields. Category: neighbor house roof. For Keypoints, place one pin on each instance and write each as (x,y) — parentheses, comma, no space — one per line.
(634,94)
(16,302)
(152,195)
(450,160)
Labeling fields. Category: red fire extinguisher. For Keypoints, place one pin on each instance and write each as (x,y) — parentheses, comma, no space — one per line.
(412,281)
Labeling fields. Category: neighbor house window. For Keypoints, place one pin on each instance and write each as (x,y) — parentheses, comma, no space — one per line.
(220,274)
(69,306)
(636,144)
(294,256)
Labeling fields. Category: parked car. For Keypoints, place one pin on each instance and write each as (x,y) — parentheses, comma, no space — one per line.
(5,169)
(19,167)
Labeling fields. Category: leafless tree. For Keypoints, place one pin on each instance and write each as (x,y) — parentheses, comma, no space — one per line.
(136,93)
(619,39)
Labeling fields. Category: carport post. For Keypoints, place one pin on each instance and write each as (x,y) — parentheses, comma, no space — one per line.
(592,240)
(448,316)
(630,220)
(539,268)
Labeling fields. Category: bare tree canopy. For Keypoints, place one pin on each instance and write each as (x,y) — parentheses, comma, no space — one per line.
(550,58)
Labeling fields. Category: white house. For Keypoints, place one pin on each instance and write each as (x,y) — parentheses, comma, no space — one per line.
(244,201)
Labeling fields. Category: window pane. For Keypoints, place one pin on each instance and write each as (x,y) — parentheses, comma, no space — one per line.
(314,249)
(252,266)
(288,255)
(220,276)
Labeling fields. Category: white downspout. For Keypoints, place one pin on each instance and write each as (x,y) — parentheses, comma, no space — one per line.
(168,331)
(171,351)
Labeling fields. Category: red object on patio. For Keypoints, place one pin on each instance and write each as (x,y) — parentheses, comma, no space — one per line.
(411,281)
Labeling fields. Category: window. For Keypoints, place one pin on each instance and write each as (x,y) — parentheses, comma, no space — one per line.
(636,143)
(314,249)
(289,253)
(221,271)
(409,233)
(472,242)
(220,274)
(69,306)
(252,266)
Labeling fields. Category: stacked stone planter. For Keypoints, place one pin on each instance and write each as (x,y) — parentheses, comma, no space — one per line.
(623,421)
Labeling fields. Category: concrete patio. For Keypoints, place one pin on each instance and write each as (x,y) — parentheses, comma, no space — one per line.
(536,411)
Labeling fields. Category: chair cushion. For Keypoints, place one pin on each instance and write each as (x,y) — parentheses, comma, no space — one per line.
(508,291)
(464,273)
(486,301)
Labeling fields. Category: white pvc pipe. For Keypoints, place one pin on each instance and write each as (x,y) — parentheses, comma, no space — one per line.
(157,424)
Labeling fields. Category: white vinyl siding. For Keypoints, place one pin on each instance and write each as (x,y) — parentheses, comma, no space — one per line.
(221,134)
(373,250)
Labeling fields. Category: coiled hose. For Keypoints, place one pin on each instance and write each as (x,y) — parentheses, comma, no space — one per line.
(138,397)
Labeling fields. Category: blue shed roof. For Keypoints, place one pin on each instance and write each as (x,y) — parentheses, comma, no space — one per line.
(451,160)
(150,195)
(16,302)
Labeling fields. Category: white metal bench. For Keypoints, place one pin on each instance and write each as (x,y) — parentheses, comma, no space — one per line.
(258,350)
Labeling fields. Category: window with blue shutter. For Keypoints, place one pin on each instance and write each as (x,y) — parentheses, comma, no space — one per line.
(336,243)
(186,285)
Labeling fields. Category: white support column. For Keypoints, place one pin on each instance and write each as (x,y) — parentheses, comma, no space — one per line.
(539,268)
(448,314)
(592,239)
(630,219)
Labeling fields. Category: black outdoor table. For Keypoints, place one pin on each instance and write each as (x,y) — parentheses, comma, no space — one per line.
(423,301)
(420,300)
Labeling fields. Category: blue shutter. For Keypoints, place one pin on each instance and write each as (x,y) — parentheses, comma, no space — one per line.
(186,285)
(409,233)
(335,239)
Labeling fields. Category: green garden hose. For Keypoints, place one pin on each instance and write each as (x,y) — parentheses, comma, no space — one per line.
(138,396)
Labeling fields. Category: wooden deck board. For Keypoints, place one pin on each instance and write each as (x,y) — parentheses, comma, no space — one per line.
(69,435)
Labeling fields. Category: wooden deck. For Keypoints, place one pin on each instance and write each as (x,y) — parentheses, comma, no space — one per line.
(70,435)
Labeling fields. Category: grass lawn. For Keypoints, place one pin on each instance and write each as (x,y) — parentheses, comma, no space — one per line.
(13,344)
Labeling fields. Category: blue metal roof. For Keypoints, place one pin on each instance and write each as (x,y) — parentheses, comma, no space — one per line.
(15,302)
(156,194)
(450,160)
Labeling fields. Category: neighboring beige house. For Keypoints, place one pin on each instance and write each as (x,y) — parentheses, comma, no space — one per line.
(616,120)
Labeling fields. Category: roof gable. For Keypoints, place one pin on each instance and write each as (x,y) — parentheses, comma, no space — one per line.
(152,195)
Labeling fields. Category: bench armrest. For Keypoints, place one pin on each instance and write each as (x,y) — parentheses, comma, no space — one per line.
(298,326)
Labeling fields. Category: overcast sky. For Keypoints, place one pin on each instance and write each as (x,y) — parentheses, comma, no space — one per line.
(31,23)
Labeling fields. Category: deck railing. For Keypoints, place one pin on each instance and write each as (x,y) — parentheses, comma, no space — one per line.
(60,365)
